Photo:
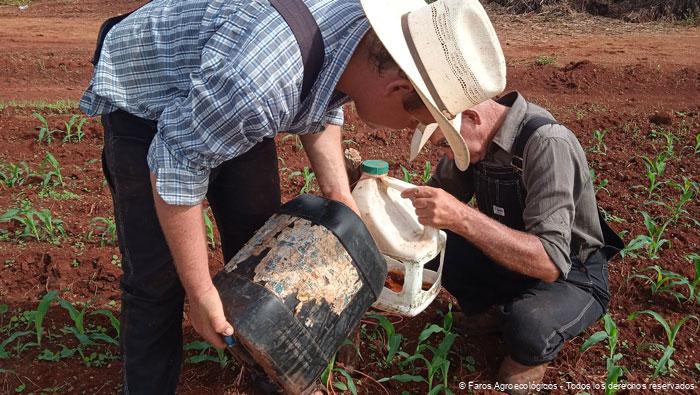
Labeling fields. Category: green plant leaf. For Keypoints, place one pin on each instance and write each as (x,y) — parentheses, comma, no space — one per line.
(427,332)
(41,311)
(663,362)
(404,378)
(350,381)
(593,340)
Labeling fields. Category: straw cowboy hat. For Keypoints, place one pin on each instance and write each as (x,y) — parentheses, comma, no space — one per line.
(450,52)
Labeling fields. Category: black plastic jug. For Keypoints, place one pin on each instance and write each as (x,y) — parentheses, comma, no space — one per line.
(298,288)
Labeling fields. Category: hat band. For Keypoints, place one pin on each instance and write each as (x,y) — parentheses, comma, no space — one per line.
(421,67)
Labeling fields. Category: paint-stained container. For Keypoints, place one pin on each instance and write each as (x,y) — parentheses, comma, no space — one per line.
(298,288)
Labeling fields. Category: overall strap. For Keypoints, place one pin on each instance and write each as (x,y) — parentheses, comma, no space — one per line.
(613,242)
(527,131)
(308,36)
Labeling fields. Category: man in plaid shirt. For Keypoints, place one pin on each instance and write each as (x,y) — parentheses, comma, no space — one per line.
(192,94)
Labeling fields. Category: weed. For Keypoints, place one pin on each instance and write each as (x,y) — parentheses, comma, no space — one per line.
(75,124)
(296,141)
(308,176)
(103,230)
(205,354)
(610,334)
(14,174)
(655,169)
(49,193)
(59,106)
(116,261)
(545,59)
(664,281)
(652,241)
(209,226)
(696,147)
(663,365)
(21,387)
(599,138)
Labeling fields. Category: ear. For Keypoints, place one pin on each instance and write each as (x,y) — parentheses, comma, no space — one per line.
(398,85)
(472,116)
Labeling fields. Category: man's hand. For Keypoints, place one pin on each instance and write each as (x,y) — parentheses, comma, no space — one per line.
(435,207)
(207,316)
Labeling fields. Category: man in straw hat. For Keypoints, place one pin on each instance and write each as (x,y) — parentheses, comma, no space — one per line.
(193,93)
(531,261)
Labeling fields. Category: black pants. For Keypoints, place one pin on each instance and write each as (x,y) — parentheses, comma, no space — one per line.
(243,193)
(536,317)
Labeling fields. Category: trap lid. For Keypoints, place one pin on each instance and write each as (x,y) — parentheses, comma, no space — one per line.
(375,167)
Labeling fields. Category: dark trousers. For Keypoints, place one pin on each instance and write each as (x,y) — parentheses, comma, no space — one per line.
(536,317)
(243,193)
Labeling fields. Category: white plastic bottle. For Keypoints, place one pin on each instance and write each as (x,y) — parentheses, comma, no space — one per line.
(406,244)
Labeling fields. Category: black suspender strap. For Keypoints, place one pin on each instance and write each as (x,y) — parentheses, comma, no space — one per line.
(613,242)
(300,21)
(527,131)
(308,37)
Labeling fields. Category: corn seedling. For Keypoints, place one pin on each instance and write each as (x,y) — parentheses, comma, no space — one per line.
(610,334)
(663,365)
(45,132)
(52,227)
(427,172)
(598,185)
(695,284)
(688,190)
(329,374)
(390,340)
(14,174)
(25,216)
(599,139)
(669,139)
(438,365)
(50,172)
(408,176)
(696,147)
(654,171)
(663,281)
(652,241)
(74,129)
(88,335)
(308,176)
(205,354)
(103,230)
(39,225)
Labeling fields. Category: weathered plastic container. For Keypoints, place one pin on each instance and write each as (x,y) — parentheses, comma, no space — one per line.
(298,288)
(406,244)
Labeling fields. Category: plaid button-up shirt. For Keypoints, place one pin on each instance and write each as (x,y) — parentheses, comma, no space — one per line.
(218,76)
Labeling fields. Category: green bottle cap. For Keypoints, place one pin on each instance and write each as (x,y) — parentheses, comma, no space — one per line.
(375,167)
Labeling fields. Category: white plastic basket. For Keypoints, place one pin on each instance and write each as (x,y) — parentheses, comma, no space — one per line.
(412,299)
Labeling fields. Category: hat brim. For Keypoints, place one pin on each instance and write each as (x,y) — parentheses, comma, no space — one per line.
(385,18)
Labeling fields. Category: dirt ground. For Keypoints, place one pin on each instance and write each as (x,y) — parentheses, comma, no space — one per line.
(633,81)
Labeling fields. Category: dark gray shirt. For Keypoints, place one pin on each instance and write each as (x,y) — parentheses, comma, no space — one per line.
(560,207)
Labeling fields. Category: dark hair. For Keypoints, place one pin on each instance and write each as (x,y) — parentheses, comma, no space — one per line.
(377,54)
